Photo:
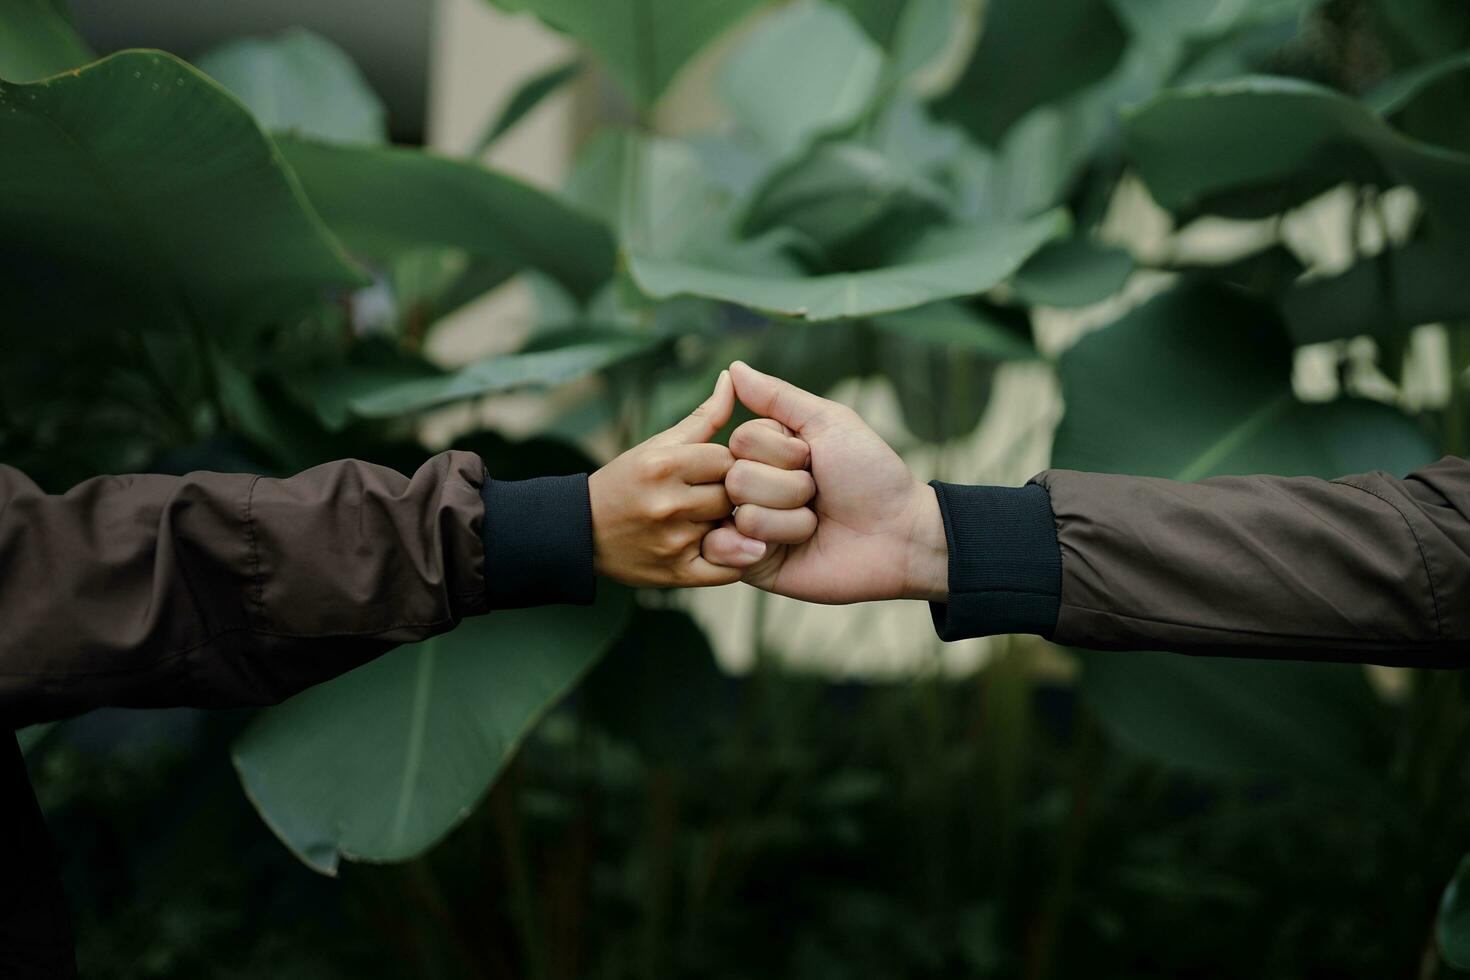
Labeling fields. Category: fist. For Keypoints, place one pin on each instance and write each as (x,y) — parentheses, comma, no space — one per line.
(873,531)
(653,505)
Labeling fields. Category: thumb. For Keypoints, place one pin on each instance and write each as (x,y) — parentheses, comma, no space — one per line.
(779,400)
(701,424)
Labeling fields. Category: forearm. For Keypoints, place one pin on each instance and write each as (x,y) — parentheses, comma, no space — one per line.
(1365,568)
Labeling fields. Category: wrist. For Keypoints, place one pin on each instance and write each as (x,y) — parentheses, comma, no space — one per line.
(927,561)
(597,509)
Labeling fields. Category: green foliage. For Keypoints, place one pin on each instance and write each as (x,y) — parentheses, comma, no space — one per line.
(299,83)
(166,231)
(236,272)
(382,763)
(386,202)
(1291,137)
(1216,365)
(1031,54)
(808,70)
(1452,928)
(525,99)
(574,354)
(36,40)
(643,43)
(947,262)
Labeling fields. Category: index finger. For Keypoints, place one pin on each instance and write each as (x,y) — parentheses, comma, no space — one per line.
(701,424)
(770,442)
(704,462)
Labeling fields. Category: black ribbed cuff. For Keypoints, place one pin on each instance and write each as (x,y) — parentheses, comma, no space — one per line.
(538,541)
(1005,566)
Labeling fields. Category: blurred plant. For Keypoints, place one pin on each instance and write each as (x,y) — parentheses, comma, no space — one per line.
(226,266)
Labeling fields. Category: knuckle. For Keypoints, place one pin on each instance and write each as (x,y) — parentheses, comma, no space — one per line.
(668,545)
(743,440)
(749,522)
(655,466)
(660,507)
(725,457)
(738,479)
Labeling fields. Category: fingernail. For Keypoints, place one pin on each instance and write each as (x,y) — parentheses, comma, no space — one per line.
(753,548)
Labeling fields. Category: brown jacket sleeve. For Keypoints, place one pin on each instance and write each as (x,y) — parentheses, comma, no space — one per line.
(214,590)
(1364,568)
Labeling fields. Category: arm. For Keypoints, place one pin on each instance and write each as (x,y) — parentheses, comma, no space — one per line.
(216,589)
(1365,568)
(1368,567)
(222,589)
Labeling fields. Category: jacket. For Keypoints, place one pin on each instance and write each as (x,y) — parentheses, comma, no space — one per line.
(1366,568)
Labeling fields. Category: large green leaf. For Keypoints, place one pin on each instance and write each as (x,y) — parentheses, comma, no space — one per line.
(36,41)
(385,201)
(1236,717)
(943,393)
(1398,93)
(657,194)
(33,735)
(1421,30)
(1030,54)
(958,327)
(580,354)
(381,763)
(1193,384)
(951,262)
(942,358)
(1381,295)
(1207,374)
(1452,926)
(139,186)
(660,688)
(839,191)
(808,70)
(644,43)
(1290,139)
(1428,102)
(880,18)
(1169,21)
(298,82)
(1074,272)
(913,33)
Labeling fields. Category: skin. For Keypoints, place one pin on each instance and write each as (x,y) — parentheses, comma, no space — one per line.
(654,504)
(874,531)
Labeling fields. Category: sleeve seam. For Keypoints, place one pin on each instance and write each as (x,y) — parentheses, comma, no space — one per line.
(1418,543)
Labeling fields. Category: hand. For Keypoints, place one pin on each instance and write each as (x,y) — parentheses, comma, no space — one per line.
(653,505)
(879,533)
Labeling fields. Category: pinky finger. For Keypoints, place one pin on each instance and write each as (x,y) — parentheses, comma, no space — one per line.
(703,573)
(727,547)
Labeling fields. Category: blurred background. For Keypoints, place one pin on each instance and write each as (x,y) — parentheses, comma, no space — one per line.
(1166,237)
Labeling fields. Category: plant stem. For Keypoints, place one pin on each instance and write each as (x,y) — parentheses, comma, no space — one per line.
(522,901)
(1048,935)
